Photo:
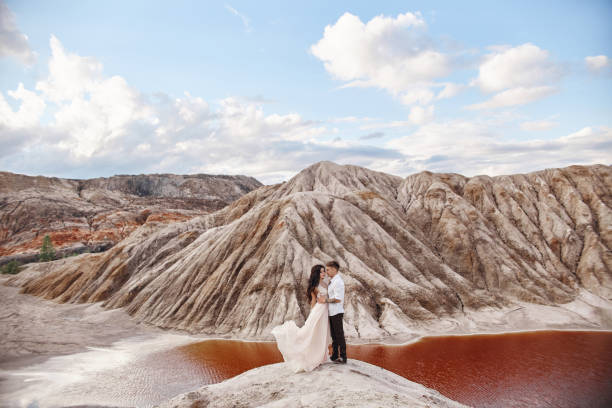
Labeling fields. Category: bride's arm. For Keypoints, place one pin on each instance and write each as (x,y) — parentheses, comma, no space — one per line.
(313,297)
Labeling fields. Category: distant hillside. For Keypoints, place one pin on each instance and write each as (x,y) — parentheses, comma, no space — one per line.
(94,214)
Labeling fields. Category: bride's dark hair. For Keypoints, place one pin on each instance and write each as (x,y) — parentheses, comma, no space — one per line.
(313,281)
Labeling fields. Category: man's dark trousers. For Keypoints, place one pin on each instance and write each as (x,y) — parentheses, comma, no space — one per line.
(337,333)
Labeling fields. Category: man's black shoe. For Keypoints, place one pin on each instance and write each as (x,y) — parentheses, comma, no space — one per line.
(340,361)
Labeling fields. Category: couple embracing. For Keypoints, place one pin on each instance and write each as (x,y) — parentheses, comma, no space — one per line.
(305,348)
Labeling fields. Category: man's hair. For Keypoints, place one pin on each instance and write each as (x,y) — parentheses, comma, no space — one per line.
(333,264)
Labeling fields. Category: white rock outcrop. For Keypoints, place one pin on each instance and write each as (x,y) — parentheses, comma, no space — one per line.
(356,384)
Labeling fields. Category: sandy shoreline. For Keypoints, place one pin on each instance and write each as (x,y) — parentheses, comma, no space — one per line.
(33,328)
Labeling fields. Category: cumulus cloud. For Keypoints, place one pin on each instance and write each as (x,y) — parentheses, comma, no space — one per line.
(420,115)
(520,75)
(30,110)
(526,65)
(421,95)
(70,75)
(597,63)
(100,125)
(476,147)
(91,110)
(392,53)
(515,96)
(13,42)
(450,90)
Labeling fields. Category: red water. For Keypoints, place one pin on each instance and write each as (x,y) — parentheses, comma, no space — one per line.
(529,369)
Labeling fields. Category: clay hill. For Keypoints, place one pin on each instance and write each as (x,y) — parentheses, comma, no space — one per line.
(412,250)
(95,214)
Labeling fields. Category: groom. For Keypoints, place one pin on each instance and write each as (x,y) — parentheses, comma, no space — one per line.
(335,298)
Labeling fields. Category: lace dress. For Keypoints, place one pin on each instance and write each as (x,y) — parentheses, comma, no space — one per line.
(305,348)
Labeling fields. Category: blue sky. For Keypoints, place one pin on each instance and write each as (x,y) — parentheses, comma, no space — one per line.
(265,89)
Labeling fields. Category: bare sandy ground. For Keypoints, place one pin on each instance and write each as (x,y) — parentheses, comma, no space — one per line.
(49,348)
(32,329)
(53,354)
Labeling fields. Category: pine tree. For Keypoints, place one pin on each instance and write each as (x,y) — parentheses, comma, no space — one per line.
(11,268)
(47,252)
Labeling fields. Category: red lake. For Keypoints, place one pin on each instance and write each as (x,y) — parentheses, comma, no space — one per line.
(527,369)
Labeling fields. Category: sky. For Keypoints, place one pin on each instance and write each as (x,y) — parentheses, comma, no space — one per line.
(93,89)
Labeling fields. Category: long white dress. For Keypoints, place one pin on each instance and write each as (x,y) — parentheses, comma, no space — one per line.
(305,348)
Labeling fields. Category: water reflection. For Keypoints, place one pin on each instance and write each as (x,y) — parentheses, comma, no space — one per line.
(548,368)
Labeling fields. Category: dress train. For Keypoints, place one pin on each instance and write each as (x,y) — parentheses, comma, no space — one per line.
(305,348)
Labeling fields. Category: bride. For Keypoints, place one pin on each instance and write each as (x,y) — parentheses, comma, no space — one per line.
(305,348)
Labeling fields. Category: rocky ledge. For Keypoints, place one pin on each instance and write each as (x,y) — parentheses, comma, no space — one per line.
(356,384)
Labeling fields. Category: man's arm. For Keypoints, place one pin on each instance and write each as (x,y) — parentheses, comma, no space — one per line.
(338,293)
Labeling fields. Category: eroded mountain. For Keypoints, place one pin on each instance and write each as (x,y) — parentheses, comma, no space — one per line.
(411,250)
(94,214)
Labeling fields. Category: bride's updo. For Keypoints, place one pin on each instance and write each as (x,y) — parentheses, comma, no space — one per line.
(313,281)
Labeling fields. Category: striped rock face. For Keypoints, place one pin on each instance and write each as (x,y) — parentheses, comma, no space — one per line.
(411,251)
(95,214)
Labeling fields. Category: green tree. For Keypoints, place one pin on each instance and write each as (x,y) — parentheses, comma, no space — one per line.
(47,252)
(11,267)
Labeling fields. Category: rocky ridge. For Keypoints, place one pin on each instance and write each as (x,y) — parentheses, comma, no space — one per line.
(94,214)
(412,251)
(354,384)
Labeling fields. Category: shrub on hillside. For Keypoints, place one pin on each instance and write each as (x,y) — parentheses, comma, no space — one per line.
(11,267)
(47,252)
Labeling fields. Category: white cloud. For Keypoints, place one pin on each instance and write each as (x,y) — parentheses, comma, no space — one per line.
(476,147)
(70,75)
(515,96)
(450,90)
(519,74)
(29,112)
(246,22)
(350,119)
(386,125)
(92,110)
(99,125)
(523,66)
(390,53)
(12,41)
(538,125)
(417,95)
(597,63)
(102,126)
(420,115)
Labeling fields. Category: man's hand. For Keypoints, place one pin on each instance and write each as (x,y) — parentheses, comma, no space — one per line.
(321,299)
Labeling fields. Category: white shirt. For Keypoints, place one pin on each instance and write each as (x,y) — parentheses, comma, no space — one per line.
(335,290)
